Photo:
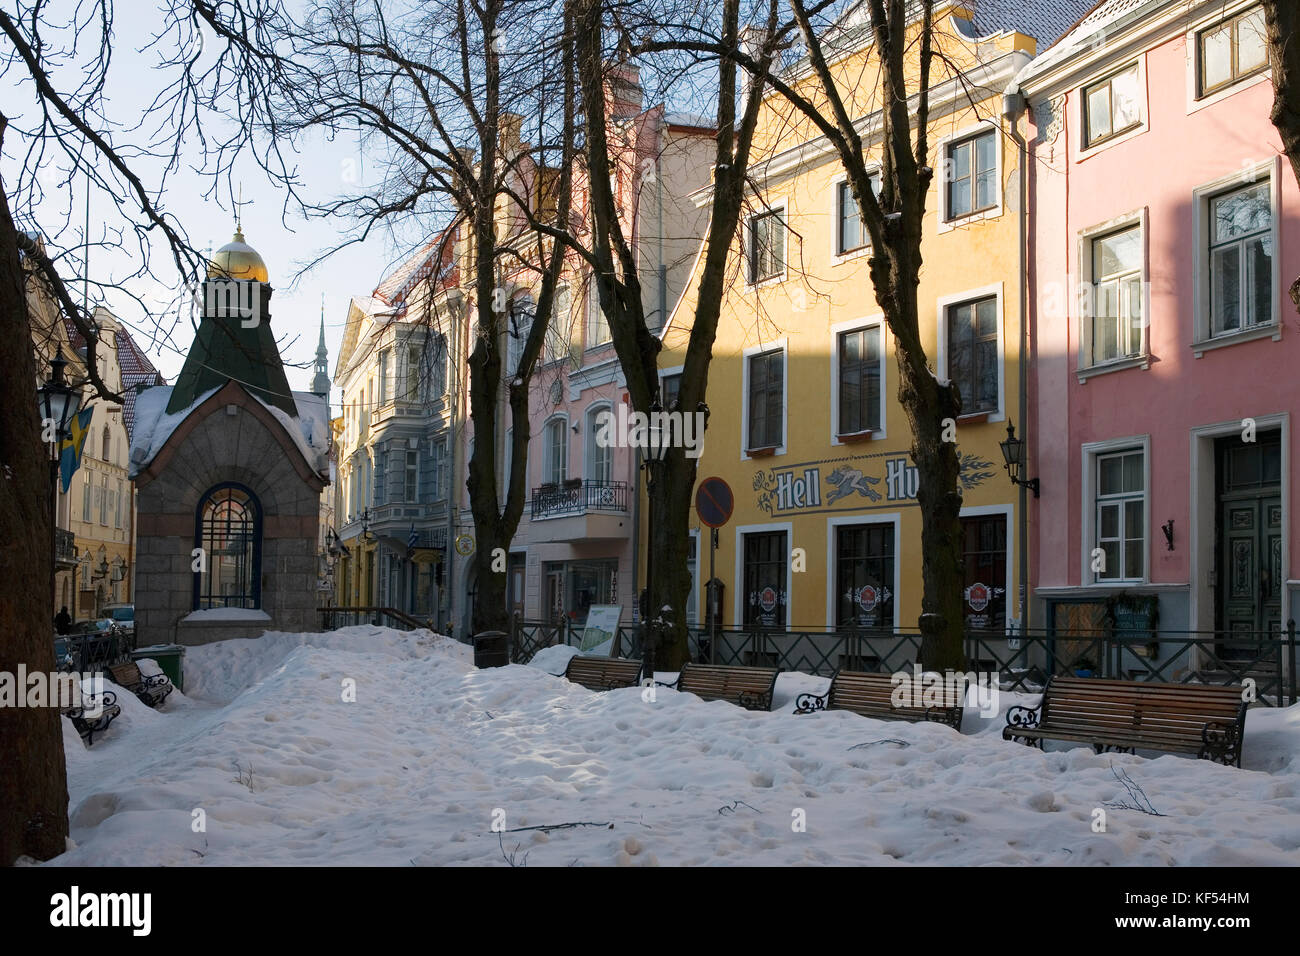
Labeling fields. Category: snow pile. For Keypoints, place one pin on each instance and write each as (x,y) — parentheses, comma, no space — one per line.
(368,746)
(554,659)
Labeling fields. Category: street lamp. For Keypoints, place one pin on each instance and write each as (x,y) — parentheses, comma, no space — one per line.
(57,403)
(1013,455)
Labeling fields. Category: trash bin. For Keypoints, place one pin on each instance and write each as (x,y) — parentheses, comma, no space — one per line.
(491,649)
(170,658)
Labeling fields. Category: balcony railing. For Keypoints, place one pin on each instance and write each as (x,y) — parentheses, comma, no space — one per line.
(65,547)
(579,497)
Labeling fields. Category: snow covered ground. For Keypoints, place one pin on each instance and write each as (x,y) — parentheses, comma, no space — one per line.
(433,752)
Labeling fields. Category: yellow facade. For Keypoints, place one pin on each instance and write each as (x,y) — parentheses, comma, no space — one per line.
(843,502)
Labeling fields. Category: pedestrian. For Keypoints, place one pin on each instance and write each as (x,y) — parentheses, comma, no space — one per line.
(63,621)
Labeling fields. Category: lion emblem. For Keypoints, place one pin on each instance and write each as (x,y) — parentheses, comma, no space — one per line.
(847,480)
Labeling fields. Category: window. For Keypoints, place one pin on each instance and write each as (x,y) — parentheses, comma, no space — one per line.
(859,380)
(1241,259)
(600,456)
(117,505)
(107,446)
(383,376)
(850,235)
(230,533)
(1117,321)
(693,565)
(412,484)
(519,323)
(864,573)
(1121,516)
(766,246)
(765,579)
(1111,106)
(971,166)
(439,462)
(556,467)
(766,399)
(438,367)
(1231,51)
(413,374)
(597,324)
(87,497)
(103,501)
(557,333)
(973,353)
(670,386)
(984,558)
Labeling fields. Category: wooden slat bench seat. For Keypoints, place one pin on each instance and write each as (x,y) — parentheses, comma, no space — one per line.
(871,695)
(151,690)
(1202,719)
(603,673)
(94,714)
(748,687)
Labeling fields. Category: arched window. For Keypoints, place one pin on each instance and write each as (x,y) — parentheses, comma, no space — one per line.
(600,454)
(229,530)
(107,446)
(555,452)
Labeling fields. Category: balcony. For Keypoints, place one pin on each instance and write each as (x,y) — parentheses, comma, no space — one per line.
(65,548)
(581,510)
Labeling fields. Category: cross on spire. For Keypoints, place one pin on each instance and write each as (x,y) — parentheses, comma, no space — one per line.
(239,227)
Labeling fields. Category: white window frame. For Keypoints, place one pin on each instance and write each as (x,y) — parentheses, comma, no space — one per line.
(995,211)
(695,594)
(1079,113)
(557,341)
(411,478)
(1192,46)
(381,364)
(1201,197)
(1086,367)
(780,208)
(837,257)
(772,346)
(560,419)
(1091,451)
(590,450)
(738,592)
(832,570)
(856,325)
(594,319)
(941,359)
(1007,511)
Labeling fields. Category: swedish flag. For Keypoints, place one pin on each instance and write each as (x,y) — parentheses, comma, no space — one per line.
(70,449)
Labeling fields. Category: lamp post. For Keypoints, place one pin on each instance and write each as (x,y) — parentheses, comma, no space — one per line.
(58,403)
(653,449)
(1013,455)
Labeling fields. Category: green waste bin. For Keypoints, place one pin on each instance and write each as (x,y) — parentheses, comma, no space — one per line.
(170,658)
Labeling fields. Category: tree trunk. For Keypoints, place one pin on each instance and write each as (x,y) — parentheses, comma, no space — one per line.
(1282,21)
(34,783)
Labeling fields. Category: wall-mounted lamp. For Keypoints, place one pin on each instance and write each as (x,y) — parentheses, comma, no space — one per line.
(1168,529)
(1013,454)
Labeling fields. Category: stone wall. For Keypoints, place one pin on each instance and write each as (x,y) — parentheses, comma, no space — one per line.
(229,438)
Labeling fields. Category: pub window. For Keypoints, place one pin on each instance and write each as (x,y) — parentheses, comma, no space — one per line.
(229,530)
(864,569)
(984,560)
(765,578)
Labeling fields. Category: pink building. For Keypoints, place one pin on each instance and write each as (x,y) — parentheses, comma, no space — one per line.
(1164,235)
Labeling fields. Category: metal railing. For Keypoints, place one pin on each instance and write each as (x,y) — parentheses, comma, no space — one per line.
(84,653)
(1023,662)
(65,547)
(578,497)
(333,618)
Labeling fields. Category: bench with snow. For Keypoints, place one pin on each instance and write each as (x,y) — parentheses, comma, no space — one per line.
(748,687)
(871,695)
(1202,719)
(603,673)
(151,690)
(94,714)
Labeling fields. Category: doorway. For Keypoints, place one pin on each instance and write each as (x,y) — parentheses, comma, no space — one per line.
(1248,532)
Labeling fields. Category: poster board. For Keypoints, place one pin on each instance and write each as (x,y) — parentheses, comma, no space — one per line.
(601,626)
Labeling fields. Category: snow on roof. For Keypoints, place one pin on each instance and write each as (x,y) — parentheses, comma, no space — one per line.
(310,431)
(1081,36)
(1044,20)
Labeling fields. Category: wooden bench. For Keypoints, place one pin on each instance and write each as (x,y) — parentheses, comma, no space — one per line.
(748,687)
(603,673)
(871,695)
(103,709)
(1202,719)
(151,690)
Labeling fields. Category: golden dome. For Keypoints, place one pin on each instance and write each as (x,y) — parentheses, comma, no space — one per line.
(238,260)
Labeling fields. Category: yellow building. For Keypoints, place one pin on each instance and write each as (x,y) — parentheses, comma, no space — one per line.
(805,425)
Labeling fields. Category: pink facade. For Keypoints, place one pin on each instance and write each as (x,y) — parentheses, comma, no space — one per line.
(1162,330)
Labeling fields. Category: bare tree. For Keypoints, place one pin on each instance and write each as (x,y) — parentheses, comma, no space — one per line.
(59,56)
(1281,23)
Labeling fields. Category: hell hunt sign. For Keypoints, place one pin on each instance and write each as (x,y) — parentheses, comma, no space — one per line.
(865,480)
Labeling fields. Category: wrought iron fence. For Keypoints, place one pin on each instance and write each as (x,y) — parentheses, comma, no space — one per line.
(578,497)
(333,618)
(84,653)
(1023,662)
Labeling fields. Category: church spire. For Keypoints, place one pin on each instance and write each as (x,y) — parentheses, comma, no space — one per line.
(321,383)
